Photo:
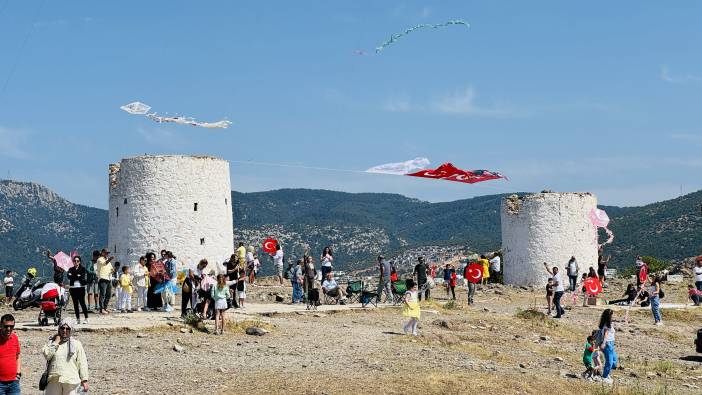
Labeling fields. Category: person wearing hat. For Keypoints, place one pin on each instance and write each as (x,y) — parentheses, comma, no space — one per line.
(67,365)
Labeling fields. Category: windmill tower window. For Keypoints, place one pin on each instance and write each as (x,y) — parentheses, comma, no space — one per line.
(195,207)
(202,241)
(125,200)
(117,211)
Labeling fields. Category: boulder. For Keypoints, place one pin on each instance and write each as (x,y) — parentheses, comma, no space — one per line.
(255,331)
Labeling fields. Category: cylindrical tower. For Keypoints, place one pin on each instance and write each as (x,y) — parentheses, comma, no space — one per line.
(173,202)
(546,227)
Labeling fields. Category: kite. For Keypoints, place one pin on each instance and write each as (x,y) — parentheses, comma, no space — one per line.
(401,168)
(474,273)
(63,260)
(643,274)
(593,286)
(269,246)
(447,171)
(397,36)
(138,108)
(600,219)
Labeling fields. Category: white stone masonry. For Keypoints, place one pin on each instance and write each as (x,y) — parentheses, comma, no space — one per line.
(179,203)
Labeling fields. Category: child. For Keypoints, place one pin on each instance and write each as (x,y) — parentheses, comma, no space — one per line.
(452,282)
(9,282)
(694,295)
(549,294)
(582,289)
(116,285)
(587,357)
(393,273)
(220,293)
(125,296)
(241,288)
(410,307)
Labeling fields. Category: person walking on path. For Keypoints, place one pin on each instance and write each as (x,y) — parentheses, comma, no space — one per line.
(605,341)
(67,365)
(104,270)
(573,270)
(420,274)
(557,288)
(10,362)
(384,283)
(9,283)
(654,291)
(76,282)
(410,308)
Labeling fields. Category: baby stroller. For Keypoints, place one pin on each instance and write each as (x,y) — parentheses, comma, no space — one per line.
(51,304)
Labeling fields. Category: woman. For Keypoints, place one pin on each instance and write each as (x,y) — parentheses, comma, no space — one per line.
(654,291)
(326,261)
(156,268)
(310,274)
(296,281)
(67,365)
(77,276)
(630,296)
(140,277)
(232,266)
(591,273)
(606,337)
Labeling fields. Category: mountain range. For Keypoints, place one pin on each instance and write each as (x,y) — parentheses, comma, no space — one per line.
(358,225)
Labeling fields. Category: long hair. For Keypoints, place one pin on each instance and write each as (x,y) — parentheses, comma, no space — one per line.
(606,318)
(327,250)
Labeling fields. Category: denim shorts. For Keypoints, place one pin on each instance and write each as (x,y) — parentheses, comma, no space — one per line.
(92,288)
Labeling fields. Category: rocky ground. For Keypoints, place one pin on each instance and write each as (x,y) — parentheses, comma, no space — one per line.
(492,347)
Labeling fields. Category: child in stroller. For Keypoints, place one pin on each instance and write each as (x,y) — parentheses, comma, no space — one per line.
(51,304)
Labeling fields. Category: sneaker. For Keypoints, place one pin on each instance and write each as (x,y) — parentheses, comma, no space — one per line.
(78,322)
(130,311)
(608,380)
(659,323)
(168,309)
(85,321)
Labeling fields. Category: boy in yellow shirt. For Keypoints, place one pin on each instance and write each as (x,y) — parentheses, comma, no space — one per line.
(125,297)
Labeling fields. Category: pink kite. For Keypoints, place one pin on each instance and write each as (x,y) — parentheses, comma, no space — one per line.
(63,260)
(600,219)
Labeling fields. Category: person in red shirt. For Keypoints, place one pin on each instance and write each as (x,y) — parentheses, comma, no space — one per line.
(10,363)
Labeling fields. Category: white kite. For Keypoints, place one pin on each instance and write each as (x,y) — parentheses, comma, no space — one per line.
(138,108)
(401,168)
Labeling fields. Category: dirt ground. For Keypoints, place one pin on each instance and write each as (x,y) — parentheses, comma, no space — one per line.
(491,347)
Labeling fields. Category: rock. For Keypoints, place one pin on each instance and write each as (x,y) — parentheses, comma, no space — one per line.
(171,324)
(272,346)
(346,326)
(178,348)
(650,375)
(222,370)
(255,331)
(300,312)
(279,298)
(485,309)
(544,338)
(319,315)
(690,385)
(498,292)
(140,335)
(558,359)
(523,366)
(442,323)
(633,374)
(183,330)
(571,376)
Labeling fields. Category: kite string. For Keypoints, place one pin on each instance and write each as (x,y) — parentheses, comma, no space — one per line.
(249,162)
(22,46)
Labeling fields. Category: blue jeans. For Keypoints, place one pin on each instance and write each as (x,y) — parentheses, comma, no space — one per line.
(10,388)
(297,291)
(557,303)
(610,358)
(698,284)
(573,281)
(325,270)
(655,307)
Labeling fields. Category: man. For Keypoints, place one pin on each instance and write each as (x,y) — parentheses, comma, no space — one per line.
(278,262)
(602,263)
(420,274)
(573,270)
(92,281)
(471,285)
(558,289)
(10,363)
(384,283)
(104,269)
(331,288)
(9,282)
(496,266)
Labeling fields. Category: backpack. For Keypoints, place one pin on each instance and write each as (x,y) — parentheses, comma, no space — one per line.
(287,274)
(661,294)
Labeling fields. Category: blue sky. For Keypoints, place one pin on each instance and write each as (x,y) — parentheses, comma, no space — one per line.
(594,96)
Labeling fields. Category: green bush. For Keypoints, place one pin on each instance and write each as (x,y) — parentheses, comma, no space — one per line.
(654,265)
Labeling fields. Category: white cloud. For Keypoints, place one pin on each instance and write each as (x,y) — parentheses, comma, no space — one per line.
(398,104)
(464,102)
(678,79)
(10,143)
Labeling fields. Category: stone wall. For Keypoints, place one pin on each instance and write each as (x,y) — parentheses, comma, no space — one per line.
(546,227)
(179,203)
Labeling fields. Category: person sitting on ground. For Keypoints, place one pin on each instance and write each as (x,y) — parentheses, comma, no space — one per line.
(644,298)
(331,288)
(694,294)
(630,296)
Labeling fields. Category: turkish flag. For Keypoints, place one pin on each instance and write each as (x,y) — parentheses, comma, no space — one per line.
(449,172)
(474,272)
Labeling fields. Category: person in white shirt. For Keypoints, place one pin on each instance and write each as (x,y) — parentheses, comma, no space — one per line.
(9,282)
(331,288)
(697,270)
(573,270)
(557,288)
(496,268)
(140,279)
(278,262)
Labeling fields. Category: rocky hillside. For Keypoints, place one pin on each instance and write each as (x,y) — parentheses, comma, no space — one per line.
(359,226)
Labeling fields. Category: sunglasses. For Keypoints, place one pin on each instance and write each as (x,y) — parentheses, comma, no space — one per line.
(10,327)
(65,328)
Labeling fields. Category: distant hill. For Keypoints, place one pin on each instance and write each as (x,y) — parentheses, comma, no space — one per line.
(358,226)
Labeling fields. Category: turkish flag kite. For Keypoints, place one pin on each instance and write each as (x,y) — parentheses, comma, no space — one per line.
(449,172)
(474,272)
(643,274)
(269,245)
(593,286)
